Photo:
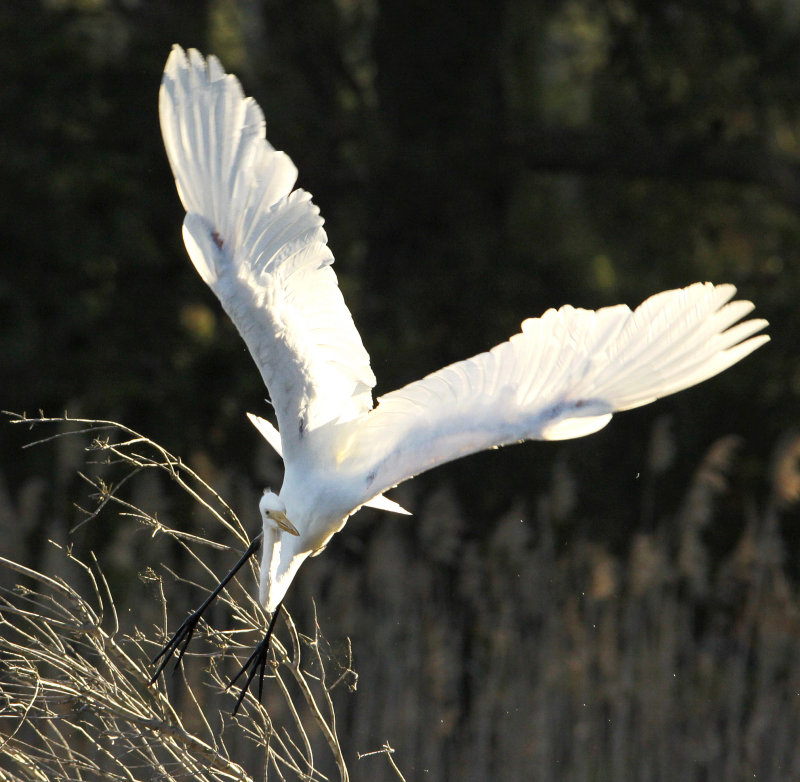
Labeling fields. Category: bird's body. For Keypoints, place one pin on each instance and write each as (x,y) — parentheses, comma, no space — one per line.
(261,248)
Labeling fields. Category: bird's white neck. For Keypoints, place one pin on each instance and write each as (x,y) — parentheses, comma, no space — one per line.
(280,560)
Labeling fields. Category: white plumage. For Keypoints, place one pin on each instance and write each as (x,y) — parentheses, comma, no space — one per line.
(261,248)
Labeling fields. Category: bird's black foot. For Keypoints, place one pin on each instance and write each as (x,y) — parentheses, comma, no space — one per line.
(186,630)
(257,663)
(182,636)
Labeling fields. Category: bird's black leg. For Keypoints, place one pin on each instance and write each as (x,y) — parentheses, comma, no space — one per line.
(258,659)
(186,630)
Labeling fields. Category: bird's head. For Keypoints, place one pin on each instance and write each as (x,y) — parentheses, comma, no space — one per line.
(273,510)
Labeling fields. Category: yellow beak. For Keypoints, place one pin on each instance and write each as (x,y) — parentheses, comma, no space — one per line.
(279,517)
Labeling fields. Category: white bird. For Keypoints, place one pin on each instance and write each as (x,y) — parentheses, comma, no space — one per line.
(259,245)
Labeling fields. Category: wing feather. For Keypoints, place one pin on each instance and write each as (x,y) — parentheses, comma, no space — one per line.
(563,376)
(261,248)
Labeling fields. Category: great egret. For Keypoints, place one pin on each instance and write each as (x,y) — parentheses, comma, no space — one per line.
(260,246)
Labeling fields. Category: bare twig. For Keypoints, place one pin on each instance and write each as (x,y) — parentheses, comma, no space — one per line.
(387,751)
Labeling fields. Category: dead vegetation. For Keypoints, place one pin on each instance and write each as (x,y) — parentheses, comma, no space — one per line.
(504,659)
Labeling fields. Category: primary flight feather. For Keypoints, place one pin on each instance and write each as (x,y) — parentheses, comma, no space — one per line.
(260,246)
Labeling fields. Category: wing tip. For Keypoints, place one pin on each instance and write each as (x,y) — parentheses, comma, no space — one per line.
(183,61)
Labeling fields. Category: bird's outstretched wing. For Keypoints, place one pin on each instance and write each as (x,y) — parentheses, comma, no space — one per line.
(261,248)
(563,376)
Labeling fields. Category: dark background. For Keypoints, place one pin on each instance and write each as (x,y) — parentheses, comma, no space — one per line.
(476,163)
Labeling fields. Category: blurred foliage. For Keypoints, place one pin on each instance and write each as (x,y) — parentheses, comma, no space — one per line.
(476,162)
